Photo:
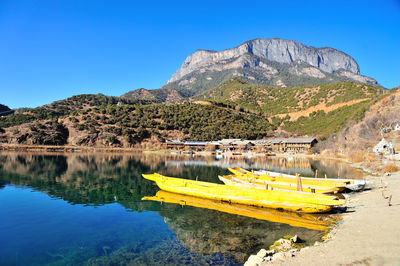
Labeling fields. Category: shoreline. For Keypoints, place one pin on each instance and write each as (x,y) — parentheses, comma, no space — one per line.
(64,149)
(78,149)
(368,234)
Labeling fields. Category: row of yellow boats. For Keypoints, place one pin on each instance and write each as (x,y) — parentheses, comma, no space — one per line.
(275,199)
(261,195)
(291,182)
(247,188)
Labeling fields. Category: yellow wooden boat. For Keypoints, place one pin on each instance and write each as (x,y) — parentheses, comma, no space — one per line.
(260,183)
(291,201)
(320,186)
(294,219)
(351,184)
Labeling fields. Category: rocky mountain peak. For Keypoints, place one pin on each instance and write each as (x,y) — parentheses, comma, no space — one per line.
(281,51)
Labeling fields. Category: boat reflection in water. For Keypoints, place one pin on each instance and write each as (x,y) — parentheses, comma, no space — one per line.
(308,221)
(289,165)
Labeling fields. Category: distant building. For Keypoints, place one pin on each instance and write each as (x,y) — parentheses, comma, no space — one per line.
(239,145)
(384,147)
(293,144)
(214,145)
(175,144)
(243,144)
(236,144)
(179,145)
(225,144)
(195,145)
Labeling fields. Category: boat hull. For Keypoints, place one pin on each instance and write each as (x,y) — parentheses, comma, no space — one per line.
(322,184)
(261,183)
(351,184)
(291,201)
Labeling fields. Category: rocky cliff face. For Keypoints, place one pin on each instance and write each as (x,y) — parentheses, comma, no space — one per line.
(277,50)
(266,61)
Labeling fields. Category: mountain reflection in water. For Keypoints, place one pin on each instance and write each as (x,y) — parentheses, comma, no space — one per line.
(107,183)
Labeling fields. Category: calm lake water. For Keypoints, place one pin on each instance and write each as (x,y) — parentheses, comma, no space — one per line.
(88,210)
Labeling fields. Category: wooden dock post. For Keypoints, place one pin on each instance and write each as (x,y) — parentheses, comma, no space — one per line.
(316,173)
(299,186)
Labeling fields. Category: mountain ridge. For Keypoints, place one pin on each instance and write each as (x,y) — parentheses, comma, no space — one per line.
(273,62)
(278,50)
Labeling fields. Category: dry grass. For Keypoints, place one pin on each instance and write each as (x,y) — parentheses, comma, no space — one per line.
(322,106)
(326,152)
(390,168)
(368,165)
(339,156)
(357,157)
(203,103)
(370,157)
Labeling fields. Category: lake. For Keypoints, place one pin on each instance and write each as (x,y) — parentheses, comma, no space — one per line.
(87,209)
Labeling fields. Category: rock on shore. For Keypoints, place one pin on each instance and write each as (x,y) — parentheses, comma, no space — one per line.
(281,249)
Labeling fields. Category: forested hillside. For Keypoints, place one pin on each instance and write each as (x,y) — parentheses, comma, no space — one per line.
(317,110)
(127,125)
(235,109)
(270,100)
(65,107)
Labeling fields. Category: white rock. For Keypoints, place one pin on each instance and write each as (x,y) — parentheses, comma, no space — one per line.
(262,253)
(253,260)
(305,248)
(279,256)
(271,252)
(284,244)
(267,259)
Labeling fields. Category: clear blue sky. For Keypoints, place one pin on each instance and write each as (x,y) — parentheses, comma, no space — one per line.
(53,49)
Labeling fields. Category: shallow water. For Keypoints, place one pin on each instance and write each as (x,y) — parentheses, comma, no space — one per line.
(87,209)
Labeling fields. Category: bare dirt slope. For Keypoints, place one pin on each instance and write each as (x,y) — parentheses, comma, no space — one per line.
(368,236)
(320,107)
(378,122)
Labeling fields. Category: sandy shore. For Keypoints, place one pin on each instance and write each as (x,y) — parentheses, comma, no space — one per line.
(368,235)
